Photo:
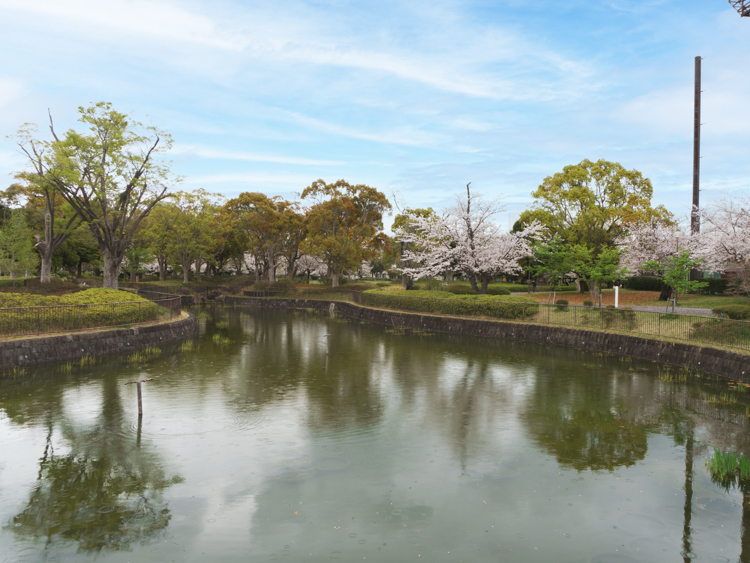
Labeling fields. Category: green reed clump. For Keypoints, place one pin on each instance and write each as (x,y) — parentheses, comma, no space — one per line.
(667,374)
(722,399)
(222,324)
(13,372)
(187,346)
(728,467)
(86,361)
(221,340)
(67,367)
(144,355)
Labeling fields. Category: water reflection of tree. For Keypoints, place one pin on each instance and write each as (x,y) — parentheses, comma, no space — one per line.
(590,417)
(104,493)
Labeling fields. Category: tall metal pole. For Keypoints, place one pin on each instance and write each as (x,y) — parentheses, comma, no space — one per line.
(695,222)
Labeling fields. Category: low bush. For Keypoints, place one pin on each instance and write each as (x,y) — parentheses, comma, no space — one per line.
(495,290)
(474,307)
(98,307)
(562,304)
(383,284)
(460,289)
(736,312)
(642,283)
(588,303)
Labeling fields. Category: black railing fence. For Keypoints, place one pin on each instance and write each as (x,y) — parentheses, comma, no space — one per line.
(20,321)
(690,328)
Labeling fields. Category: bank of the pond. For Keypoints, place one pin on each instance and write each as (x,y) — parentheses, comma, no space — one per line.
(43,349)
(716,361)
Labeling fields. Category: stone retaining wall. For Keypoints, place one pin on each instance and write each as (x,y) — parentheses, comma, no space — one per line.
(30,351)
(710,360)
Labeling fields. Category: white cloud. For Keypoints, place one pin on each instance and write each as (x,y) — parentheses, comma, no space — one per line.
(164,20)
(223,154)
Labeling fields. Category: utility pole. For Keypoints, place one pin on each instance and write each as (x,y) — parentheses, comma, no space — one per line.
(695,221)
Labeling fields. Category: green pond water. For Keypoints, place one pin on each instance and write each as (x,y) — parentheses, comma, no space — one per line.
(395,446)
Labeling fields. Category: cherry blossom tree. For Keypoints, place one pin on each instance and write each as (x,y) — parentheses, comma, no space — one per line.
(465,238)
(665,248)
(727,238)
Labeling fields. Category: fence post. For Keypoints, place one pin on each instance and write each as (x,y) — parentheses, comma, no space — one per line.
(38,322)
(113,314)
(139,312)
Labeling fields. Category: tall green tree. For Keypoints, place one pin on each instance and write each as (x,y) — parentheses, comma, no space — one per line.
(593,204)
(111,176)
(344,224)
(182,225)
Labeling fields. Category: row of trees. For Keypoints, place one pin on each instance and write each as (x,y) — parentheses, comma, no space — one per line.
(111,183)
(593,223)
(103,195)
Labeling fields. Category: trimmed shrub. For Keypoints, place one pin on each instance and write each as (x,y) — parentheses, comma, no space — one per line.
(472,307)
(383,284)
(460,289)
(98,307)
(736,312)
(588,303)
(497,291)
(642,283)
(562,304)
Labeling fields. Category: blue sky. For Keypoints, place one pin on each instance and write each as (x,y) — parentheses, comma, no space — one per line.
(414,98)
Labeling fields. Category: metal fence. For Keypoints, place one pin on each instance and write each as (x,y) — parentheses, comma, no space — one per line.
(690,328)
(20,321)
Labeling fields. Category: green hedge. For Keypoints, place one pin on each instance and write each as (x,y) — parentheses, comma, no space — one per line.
(737,312)
(642,283)
(86,309)
(494,309)
(460,289)
(497,291)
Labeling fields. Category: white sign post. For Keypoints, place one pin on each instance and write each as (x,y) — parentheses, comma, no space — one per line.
(617,296)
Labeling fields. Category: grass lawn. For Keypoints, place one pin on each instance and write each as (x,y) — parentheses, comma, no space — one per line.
(647,298)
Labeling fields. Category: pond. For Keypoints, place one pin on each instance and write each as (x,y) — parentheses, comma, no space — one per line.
(393,446)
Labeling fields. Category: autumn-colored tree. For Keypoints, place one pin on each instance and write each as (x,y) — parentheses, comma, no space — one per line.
(344,224)
(272,228)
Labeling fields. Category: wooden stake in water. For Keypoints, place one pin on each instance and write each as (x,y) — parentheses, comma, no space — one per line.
(327,335)
(140,395)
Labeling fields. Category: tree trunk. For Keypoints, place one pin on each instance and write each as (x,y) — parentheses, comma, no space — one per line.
(46,271)
(111,269)
(162,260)
(449,276)
(485,284)
(271,256)
(473,281)
(198,266)
(186,262)
(666,292)
(80,268)
(133,273)
(334,277)
(291,268)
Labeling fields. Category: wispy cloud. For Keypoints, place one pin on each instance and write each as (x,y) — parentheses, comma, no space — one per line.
(216,153)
